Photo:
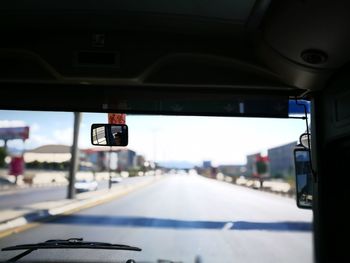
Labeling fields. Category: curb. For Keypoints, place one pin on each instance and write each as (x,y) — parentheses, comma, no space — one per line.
(267,190)
(10,226)
(288,194)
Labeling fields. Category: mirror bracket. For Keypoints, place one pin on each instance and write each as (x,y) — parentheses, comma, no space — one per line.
(308,134)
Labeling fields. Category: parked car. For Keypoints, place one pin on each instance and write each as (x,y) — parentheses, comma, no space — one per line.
(116,180)
(5,182)
(85,185)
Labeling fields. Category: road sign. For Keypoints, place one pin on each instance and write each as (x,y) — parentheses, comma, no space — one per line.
(298,108)
(116,118)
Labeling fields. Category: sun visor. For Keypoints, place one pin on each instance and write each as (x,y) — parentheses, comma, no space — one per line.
(145,99)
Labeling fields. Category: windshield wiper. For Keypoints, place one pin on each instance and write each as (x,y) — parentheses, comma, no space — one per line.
(71,243)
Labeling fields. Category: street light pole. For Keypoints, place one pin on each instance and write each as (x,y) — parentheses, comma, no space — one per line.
(75,156)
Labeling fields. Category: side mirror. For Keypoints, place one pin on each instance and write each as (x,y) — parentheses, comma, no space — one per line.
(303,178)
(109,134)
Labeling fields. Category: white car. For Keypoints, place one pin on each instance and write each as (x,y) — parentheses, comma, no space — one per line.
(116,180)
(85,185)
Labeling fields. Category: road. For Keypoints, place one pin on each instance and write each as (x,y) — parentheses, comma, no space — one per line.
(22,197)
(180,218)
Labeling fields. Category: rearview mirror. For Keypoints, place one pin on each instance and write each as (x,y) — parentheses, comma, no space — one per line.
(109,134)
(303,178)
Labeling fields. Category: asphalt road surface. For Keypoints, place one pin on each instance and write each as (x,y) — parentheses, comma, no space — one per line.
(181,218)
(22,197)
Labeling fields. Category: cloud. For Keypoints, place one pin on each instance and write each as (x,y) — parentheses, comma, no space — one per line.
(34,127)
(84,140)
(59,136)
(12,123)
(34,141)
(37,139)
(63,136)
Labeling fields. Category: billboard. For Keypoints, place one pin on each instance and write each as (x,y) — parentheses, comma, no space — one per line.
(116,118)
(14,133)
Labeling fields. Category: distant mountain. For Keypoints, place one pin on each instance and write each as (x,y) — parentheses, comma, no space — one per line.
(177,164)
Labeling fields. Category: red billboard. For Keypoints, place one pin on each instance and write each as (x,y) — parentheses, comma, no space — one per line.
(116,118)
(14,133)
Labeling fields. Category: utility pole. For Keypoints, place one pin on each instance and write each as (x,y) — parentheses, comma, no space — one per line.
(109,168)
(75,156)
(5,145)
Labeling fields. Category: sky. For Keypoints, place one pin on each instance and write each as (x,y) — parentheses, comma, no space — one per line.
(223,140)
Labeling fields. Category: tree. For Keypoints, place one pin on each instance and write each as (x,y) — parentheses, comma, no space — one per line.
(3,155)
(261,167)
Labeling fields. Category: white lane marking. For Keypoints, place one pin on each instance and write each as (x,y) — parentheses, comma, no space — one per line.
(228,226)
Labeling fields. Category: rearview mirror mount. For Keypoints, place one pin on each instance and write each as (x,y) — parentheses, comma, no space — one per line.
(109,134)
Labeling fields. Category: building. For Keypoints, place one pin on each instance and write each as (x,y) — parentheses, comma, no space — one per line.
(251,164)
(281,160)
(53,153)
(104,158)
(126,159)
(232,170)
(99,158)
(140,160)
(206,164)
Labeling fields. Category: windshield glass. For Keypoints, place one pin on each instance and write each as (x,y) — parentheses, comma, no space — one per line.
(185,189)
